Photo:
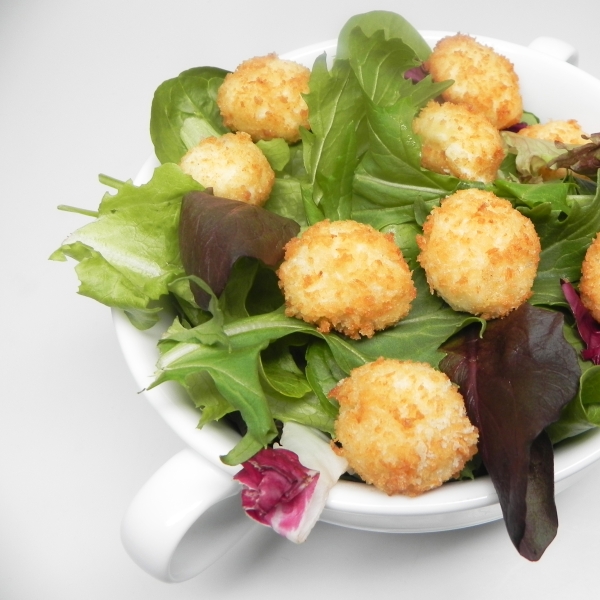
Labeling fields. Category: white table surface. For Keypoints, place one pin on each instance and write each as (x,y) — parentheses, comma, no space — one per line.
(76,439)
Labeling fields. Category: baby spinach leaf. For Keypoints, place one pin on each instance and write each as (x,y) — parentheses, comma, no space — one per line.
(192,94)
(516,379)
(392,25)
(380,66)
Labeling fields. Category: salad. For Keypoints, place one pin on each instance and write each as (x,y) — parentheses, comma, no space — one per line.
(171,246)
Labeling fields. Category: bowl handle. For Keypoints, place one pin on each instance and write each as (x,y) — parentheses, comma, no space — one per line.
(184,518)
(556,49)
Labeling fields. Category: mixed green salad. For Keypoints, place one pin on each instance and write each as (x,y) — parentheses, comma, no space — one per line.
(237,354)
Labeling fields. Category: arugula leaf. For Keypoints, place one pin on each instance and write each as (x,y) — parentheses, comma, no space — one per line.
(192,94)
(564,243)
(391,170)
(236,370)
(129,255)
(330,148)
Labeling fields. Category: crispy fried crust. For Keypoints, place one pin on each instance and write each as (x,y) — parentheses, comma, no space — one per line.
(458,141)
(483,79)
(479,253)
(589,286)
(233,166)
(567,132)
(346,276)
(263,97)
(402,426)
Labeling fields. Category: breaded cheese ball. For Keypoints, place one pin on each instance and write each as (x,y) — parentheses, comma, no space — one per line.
(263,97)
(458,141)
(402,426)
(567,132)
(479,253)
(589,285)
(346,276)
(233,165)
(483,79)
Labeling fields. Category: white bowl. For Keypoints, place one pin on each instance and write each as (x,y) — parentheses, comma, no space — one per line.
(552,89)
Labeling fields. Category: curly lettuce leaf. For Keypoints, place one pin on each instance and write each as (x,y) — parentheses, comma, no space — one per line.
(129,255)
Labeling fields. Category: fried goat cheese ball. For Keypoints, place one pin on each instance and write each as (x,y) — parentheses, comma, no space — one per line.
(346,276)
(402,426)
(484,80)
(567,132)
(589,285)
(479,253)
(233,165)
(263,97)
(458,141)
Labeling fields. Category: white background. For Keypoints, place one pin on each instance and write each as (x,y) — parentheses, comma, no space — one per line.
(76,439)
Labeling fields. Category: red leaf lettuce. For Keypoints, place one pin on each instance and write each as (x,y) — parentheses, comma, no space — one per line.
(214,232)
(516,379)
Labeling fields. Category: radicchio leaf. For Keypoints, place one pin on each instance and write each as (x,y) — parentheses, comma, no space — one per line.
(588,327)
(277,488)
(286,487)
(516,379)
(214,232)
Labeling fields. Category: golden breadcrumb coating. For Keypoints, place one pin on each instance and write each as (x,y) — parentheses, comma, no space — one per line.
(347,276)
(589,286)
(402,426)
(263,97)
(458,141)
(233,165)
(567,132)
(483,79)
(479,253)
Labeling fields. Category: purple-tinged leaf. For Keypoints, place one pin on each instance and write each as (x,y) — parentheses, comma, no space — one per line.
(277,489)
(214,232)
(516,379)
(583,159)
(517,127)
(588,327)
(416,74)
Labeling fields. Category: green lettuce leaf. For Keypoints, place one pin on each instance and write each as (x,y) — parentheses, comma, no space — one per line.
(129,255)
